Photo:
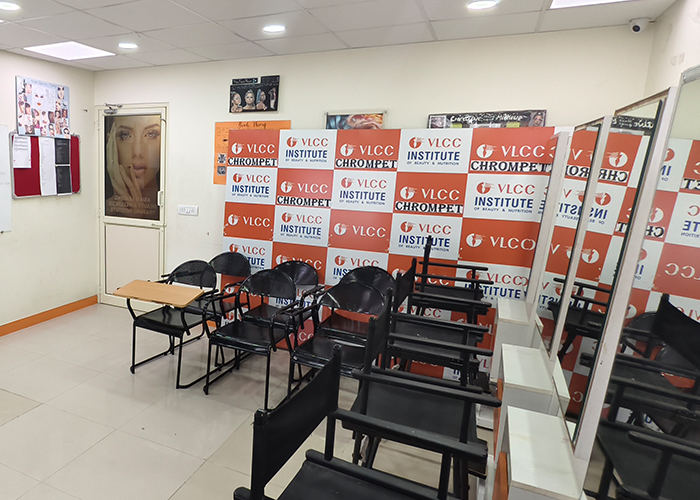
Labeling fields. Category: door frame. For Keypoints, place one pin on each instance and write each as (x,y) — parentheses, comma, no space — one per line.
(160,225)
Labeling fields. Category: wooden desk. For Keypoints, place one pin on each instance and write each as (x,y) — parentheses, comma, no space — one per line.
(160,293)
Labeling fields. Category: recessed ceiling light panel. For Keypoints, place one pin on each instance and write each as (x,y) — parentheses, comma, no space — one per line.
(563,4)
(481,4)
(274,28)
(9,6)
(128,45)
(69,51)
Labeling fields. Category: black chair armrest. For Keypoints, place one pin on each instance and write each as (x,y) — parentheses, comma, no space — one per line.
(450,384)
(581,284)
(442,298)
(681,396)
(455,326)
(654,366)
(455,266)
(477,351)
(475,281)
(242,493)
(588,301)
(414,437)
(686,449)
(389,377)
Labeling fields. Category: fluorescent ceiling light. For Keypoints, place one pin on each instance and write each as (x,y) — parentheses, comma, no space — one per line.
(9,6)
(69,51)
(563,4)
(128,45)
(274,28)
(482,4)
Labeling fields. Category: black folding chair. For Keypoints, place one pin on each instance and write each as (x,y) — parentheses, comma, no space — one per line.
(174,322)
(439,342)
(233,268)
(278,434)
(465,299)
(442,408)
(253,334)
(373,276)
(353,297)
(581,319)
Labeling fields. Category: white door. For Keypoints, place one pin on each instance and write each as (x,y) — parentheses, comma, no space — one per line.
(132,181)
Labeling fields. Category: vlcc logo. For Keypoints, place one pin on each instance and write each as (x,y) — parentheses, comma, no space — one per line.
(474,240)
(340,229)
(407,192)
(292,141)
(233,220)
(346,182)
(670,154)
(483,188)
(347,149)
(340,260)
(618,160)
(407,227)
(236,148)
(234,247)
(287,187)
(237,177)
(415,142)
(286,217)
(485,151)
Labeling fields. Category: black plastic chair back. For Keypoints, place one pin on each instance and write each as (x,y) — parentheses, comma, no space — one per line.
(193,272)
(372,276)
(231,264)
(678,330)
(404,286)
(279,433)
(354,297)
(270,283)
(377,336)
(302,274)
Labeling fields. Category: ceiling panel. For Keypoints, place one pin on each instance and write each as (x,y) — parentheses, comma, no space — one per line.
(91,4)
(111,43)
(186,31)
(297,23)
(34,8)
(116,62)
(167,57)
(303,44)
(75,26)
(390,35)
(486,26)
(225,51)
(455,9)
(197,35)
(16,35)
(220,10)
(375,14)
(145,15)
(602,15)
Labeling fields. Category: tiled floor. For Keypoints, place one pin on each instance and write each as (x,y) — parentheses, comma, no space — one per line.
(76,424)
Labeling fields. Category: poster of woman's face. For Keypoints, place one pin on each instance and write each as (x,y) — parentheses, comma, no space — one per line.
(36,98)
(132,164)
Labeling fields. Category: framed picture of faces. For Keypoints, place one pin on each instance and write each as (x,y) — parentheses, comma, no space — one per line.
(42,108)
(254,94)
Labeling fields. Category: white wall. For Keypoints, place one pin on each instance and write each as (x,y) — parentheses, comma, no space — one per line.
(577,76)
(49,258)
(676,45)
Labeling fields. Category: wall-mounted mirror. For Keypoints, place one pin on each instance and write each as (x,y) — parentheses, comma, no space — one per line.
(587,250)
(667,230)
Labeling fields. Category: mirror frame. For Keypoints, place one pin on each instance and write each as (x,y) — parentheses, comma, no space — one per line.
(617,309)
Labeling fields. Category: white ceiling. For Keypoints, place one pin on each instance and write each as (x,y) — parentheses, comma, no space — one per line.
(186,31)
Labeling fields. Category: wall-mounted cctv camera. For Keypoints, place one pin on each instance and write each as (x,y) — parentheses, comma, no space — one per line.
(640,24)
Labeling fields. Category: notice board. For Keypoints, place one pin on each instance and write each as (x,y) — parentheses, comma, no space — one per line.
(64,166)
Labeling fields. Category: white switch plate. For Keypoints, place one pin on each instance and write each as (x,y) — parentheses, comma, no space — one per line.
(188,210)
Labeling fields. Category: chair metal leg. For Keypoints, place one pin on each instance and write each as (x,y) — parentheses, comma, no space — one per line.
(267,381)
(206,382)
(605,480)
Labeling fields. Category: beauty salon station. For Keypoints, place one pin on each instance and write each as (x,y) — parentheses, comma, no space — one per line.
(513,417)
